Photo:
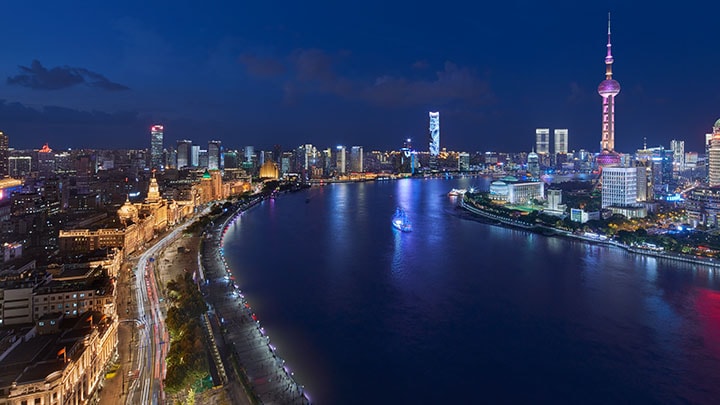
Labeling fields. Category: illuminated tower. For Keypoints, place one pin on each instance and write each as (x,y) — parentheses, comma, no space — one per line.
(542,141)
(714,157)
(608,89)
(434,146)
(156,147)
(214,155)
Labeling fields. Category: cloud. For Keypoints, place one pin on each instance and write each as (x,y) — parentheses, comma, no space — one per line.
(452,84)
(38,77)
(260,66)
(314,72)
(577,94)
(420,65)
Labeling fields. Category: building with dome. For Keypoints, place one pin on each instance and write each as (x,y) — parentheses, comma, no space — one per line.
(269,171)
(509,189)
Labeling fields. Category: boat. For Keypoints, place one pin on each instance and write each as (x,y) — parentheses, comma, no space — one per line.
(457,192)
(400,221)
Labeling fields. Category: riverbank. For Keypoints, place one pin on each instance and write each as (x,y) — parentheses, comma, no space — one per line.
(249,358)
(550,231)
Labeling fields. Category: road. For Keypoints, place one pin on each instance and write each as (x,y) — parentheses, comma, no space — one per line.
(153,336)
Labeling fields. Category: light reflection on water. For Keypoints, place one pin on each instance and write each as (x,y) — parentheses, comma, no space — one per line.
(458,307)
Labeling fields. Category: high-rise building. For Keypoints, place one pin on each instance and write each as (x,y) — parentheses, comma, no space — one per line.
(533,164)
(214,152)
(561,141)
(463,161)
(542,141)
(340,159)
(619,186)
(608,89)
(678,151)
(156,147)
(184,149)
(195,155)
(714,157)
(4,155)
(356,159)
(434,146)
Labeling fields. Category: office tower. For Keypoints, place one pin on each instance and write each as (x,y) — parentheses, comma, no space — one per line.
(619,186)
(533,164)
(46,162)
(4,155)
(214,152)
(184,148)
(356,159)
(249,154)
(542,141)
(434,146)
(678,151)
(19,166)
(463,161)
(277,153)
(231,160)
(195,155)
(708,142)
(156,147)
(202,158)
(561,141)
(714,157)
(608,89)
(340,159)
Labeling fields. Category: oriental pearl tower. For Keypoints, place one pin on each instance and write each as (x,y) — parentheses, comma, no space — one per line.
(608,89)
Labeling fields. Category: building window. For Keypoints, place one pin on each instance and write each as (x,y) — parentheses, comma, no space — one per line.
(41,323)
(52,322)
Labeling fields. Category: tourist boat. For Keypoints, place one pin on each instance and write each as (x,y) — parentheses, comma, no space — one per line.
(400,220)
(457,192)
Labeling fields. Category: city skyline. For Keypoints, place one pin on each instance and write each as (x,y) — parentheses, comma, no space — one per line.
(205,77)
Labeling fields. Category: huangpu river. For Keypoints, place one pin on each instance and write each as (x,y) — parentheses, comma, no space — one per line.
(461,311)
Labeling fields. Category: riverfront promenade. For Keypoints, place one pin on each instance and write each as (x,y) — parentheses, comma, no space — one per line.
(246,351)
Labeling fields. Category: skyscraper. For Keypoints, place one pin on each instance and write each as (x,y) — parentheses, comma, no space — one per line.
(356,159)
(542,141)
(214,152)
(561,141)
(608,89)
(678,151)
(156,147)
(619,186)
(340,159)
(434,146)
(184,148)
(4,155)
(714,157)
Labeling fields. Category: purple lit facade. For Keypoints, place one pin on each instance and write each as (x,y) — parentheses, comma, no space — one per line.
(608,89)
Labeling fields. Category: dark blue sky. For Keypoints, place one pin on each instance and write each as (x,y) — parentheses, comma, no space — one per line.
(266,72)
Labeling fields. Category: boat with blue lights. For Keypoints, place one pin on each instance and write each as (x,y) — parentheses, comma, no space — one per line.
(400,221)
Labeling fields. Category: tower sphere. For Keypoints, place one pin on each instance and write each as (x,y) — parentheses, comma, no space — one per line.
(609,87)
(717,124)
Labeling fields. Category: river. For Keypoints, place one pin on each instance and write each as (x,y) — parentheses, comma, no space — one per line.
(460,311)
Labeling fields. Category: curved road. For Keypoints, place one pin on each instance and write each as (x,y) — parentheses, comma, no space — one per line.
(152,334)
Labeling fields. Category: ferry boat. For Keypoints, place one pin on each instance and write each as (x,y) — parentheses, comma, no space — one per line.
(456,192)
(400,220)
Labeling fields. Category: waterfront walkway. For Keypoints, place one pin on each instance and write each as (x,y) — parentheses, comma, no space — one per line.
(246,351)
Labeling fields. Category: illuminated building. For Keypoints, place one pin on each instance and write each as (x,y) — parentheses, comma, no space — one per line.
(714,157)
(184,148)
(542,141)
(434,146)
(356,159)
(46,162)
(463,161)
(509,189)
(19,166)
(341,159)
(561,141)
(9,186)
(269,170)
(619,186)
(214,152)
(4,155)
(703,206)
(678,151)
(156,147)
(608,89)
(533,164)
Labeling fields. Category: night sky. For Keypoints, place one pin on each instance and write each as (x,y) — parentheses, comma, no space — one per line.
(89,74)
